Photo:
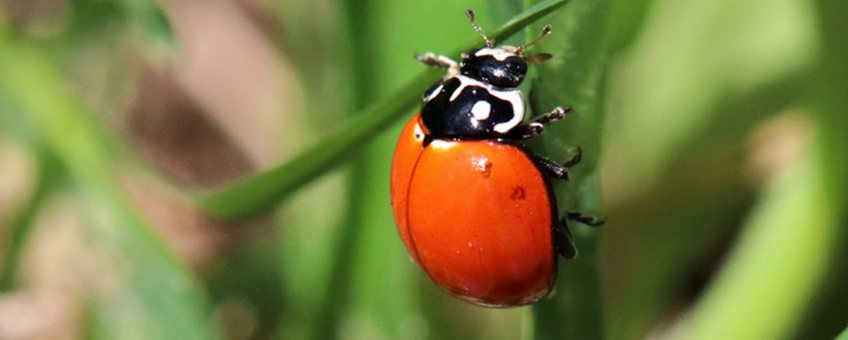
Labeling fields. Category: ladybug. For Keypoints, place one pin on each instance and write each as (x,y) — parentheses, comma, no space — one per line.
(473,206)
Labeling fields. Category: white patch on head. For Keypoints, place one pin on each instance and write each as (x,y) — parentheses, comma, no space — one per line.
(517,100)
(434,93)
(481,110)
(442,144)
(499,54)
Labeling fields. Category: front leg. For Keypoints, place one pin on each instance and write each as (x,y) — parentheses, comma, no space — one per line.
(537,126)
(431,59)
(555,115)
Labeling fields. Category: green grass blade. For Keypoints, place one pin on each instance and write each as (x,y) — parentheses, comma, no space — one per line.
(688,201)
(151,20)
(843,335)
(21,225)
(794,237)
(97,19)
(260,193)
(159,298)
(575,77)
(755,296)
(688,99)
(499,12)
(832,105)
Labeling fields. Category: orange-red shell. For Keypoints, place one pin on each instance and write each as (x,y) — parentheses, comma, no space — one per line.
(477,217)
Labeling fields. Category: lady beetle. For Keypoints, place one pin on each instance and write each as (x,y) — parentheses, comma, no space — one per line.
(473,206)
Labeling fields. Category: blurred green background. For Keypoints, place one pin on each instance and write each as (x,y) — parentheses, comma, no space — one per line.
(715,136)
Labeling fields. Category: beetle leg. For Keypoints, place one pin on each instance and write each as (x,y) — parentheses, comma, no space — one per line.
(573,160)
(559,171)
(555,115)
(564,241)
(591,221)
(525,131)
(553,169)
(537,126)
(431,59)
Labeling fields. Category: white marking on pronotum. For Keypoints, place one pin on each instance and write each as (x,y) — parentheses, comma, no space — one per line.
(514,97)
(481,110)
(465,82)
(498,53)
(442,144)
(517,100)
(434,93)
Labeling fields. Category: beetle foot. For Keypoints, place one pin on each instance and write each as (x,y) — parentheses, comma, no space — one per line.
(555,115)
(554,170)
(565,242)
(591,221)
(574,159)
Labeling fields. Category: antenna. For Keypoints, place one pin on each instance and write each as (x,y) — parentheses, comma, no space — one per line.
(470,14)
(545,31)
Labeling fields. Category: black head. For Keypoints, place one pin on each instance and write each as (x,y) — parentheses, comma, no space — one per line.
(495,66)
(505,66)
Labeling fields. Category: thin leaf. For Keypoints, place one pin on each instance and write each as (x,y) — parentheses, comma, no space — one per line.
(149,17)
(263,191)
(93,18)
(21,226)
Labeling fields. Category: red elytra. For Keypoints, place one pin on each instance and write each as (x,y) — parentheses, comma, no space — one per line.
(476,215)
